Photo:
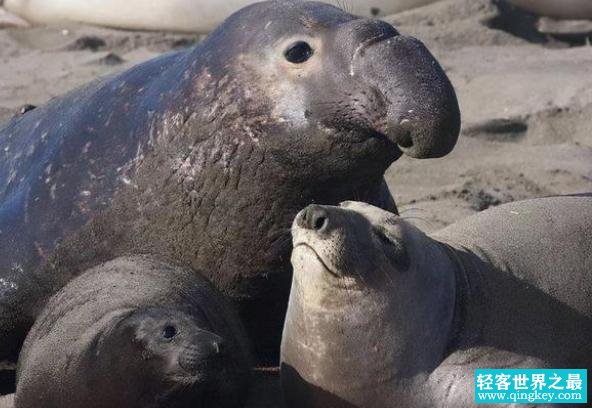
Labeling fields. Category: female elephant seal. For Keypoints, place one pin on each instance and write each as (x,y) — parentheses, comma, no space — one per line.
(205,156)
(382,315)
(134,332)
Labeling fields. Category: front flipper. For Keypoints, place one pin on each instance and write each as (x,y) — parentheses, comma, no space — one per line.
(452,384)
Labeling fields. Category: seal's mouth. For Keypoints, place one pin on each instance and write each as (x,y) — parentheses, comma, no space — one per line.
(318,257)
(370,135)
(398,140)
(399,136)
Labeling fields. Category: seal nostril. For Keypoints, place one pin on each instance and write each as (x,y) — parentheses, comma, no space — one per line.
(320,222)
(218,347)
(314,218)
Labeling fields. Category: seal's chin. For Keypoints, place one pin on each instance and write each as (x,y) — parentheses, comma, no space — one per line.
(307,250)
(398,141)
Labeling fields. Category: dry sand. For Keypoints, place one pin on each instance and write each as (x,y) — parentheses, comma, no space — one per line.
(526,100)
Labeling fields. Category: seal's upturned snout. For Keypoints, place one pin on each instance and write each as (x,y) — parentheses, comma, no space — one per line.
(314,218)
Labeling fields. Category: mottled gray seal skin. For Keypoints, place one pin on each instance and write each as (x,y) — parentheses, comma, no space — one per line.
(135,332)
(205,156)
(382,315)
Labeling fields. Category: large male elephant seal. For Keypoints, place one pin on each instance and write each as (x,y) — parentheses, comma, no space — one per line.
(382,315)
(205,156)
(134,333)
(200,16)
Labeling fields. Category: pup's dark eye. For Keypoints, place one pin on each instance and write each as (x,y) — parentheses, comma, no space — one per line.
(298,52)
(169,332)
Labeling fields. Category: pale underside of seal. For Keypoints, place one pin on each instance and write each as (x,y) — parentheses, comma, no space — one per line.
(560,9)
(199,16)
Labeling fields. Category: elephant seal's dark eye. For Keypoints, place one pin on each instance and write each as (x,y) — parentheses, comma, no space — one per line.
(298,52)
(169,332)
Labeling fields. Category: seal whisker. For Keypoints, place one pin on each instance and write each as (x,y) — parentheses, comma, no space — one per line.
(409,209)
(346,289)
(339,4)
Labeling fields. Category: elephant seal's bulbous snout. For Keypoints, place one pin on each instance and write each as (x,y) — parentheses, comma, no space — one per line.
(422,114)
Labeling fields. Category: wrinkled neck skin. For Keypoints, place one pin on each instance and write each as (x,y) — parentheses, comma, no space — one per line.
(369,346)
(243,192)
(468,316)
(211,185)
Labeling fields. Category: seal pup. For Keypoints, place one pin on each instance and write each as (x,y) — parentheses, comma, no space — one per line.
(134,332)
(195,16)
(205,156)
(382,315)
